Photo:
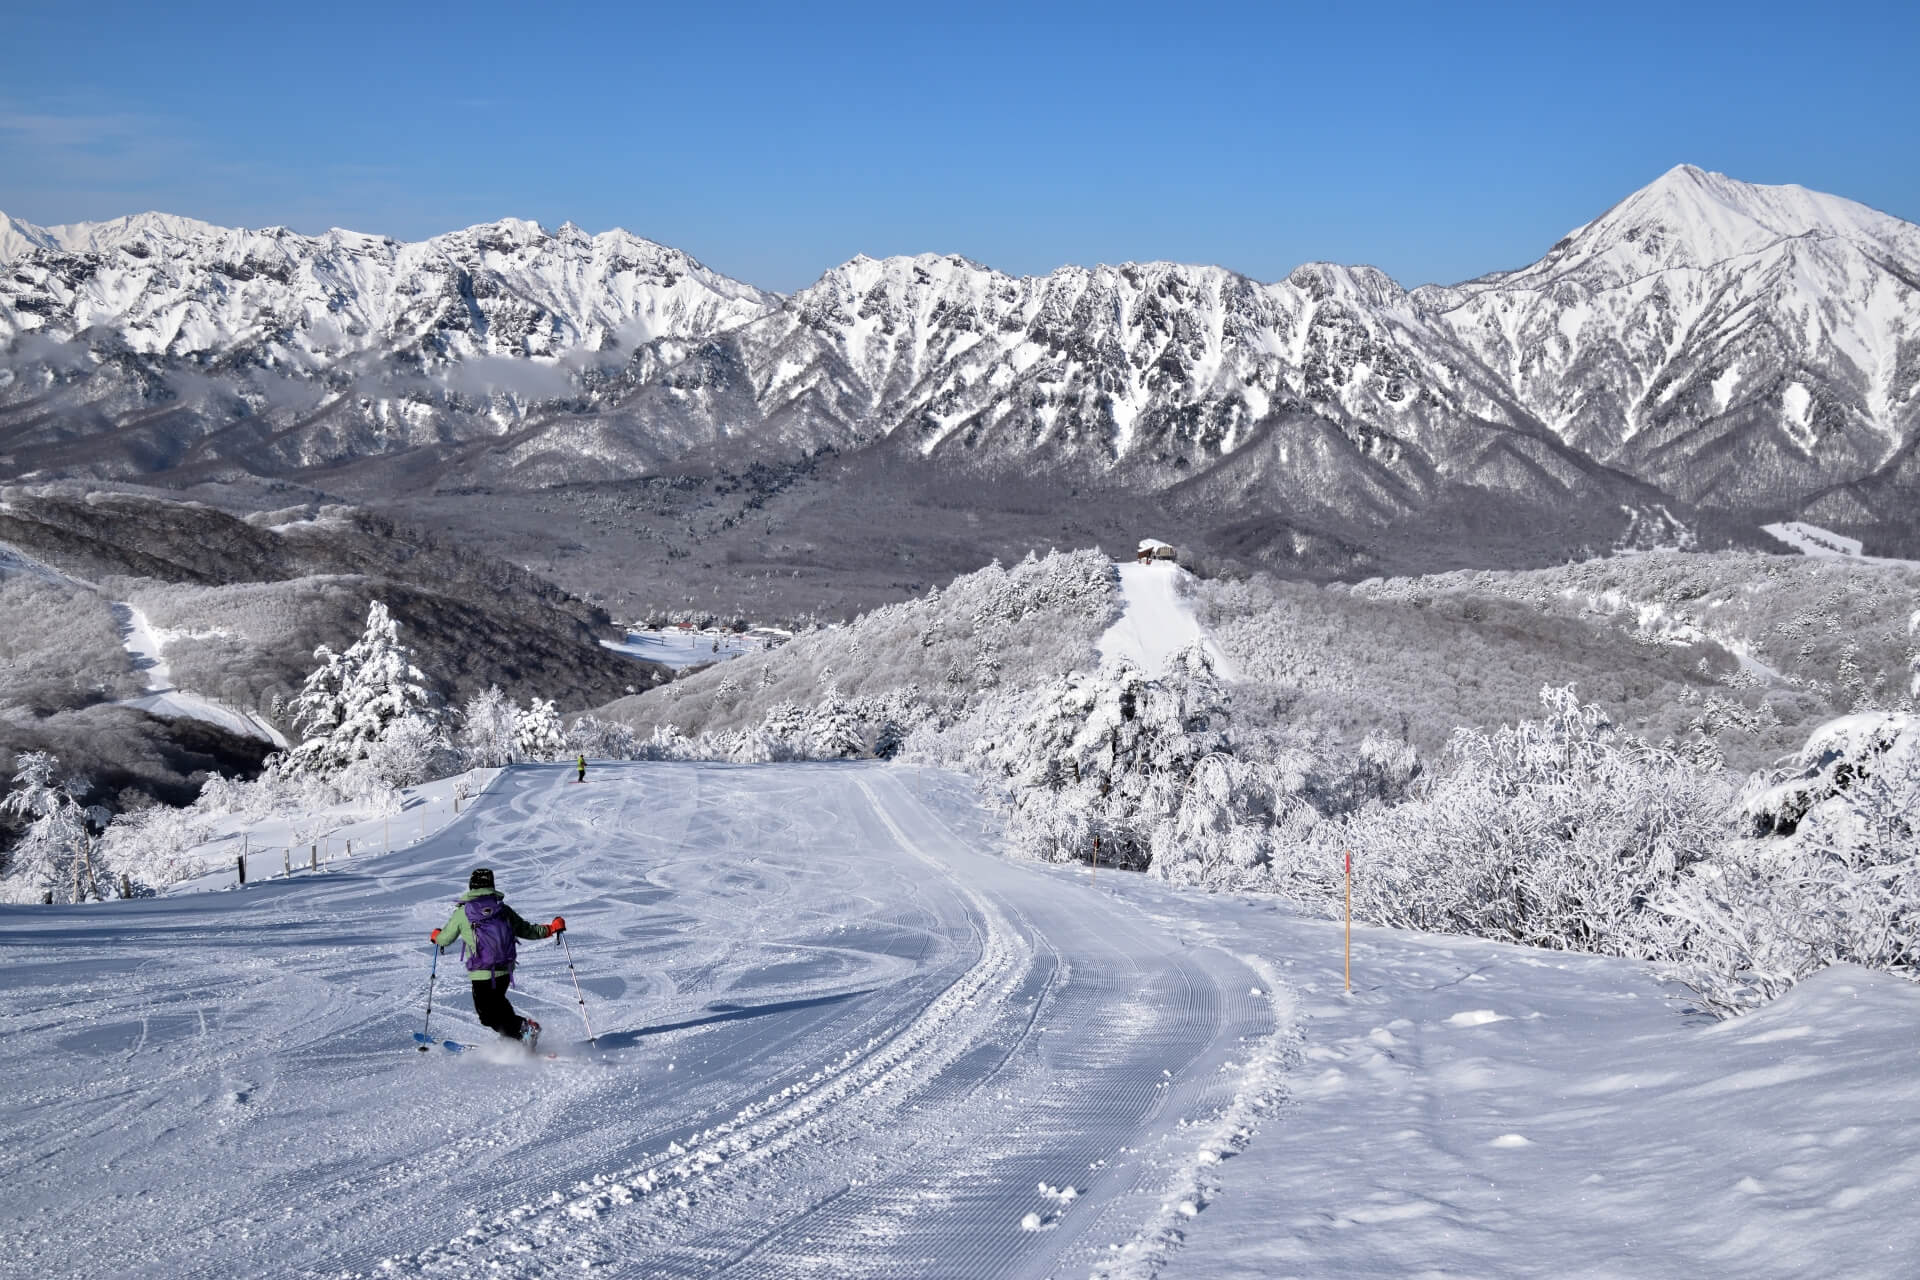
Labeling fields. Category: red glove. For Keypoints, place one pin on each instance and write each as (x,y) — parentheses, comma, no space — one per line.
(434,937)
(559,925)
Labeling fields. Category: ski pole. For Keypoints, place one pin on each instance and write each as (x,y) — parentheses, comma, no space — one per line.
(433,975)
(562,935)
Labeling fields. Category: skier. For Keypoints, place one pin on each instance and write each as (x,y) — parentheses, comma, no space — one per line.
(484,923)
(583,768)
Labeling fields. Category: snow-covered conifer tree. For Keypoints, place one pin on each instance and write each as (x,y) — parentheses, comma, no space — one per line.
(833,730)
(786,726)
(56,856)
(352,698)
(318,706)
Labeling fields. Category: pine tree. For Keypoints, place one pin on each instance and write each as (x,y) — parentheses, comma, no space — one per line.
(351,700)
(833,730)
(55,859)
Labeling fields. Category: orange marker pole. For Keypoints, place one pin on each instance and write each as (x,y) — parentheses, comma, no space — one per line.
(1095,878)
(1349,920)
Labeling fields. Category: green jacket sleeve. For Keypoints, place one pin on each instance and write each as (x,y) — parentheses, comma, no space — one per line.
(456,930)
(522,929)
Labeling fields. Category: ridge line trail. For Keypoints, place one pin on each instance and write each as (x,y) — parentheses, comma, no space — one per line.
(834,1038)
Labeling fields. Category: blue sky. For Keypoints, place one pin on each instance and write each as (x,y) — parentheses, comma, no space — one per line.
(773,141)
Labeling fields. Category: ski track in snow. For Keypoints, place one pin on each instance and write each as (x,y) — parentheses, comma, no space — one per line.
(834,1040)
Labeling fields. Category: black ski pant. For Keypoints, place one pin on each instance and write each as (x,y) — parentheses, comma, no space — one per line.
(490,1003)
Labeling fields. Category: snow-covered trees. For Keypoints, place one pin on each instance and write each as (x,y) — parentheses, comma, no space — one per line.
(55,859)
(412,750)
(998,629)
(150,847)
(351,699)
(486,734)
(1554,832)
(1830,873)
(1913,656)
(1854,782)
(595,738)
(537,732)
(834,729)
(1109,756)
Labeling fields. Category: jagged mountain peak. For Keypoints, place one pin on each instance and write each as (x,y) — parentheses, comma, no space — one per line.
(274,298)
(921,268)
(1322,280)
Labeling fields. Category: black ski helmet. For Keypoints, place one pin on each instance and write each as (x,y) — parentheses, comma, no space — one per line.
(482,878)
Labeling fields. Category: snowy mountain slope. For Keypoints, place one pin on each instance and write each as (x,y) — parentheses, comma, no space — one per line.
(1734,343)
(259,593)
(1479,1109)
(174,286)
(785,1069)
(1706,342)
(834,1039)
(183,342)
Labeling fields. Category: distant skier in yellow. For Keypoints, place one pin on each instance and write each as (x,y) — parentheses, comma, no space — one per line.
(583,768)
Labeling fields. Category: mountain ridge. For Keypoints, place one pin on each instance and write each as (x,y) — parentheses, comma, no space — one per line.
(1711,342)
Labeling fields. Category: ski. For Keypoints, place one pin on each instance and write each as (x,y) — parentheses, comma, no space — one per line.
(424,1040)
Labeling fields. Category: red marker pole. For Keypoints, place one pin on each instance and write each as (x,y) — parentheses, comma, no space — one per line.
(1349,920)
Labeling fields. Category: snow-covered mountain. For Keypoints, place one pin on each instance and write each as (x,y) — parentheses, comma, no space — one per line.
(174,286)
(1736,344)
(1706,341)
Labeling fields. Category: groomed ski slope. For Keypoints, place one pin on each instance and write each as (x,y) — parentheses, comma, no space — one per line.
(679,649)
(144,646)
(828,1029)
(839,1039)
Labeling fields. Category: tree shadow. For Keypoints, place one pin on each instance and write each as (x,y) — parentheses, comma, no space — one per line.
(723,1013)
